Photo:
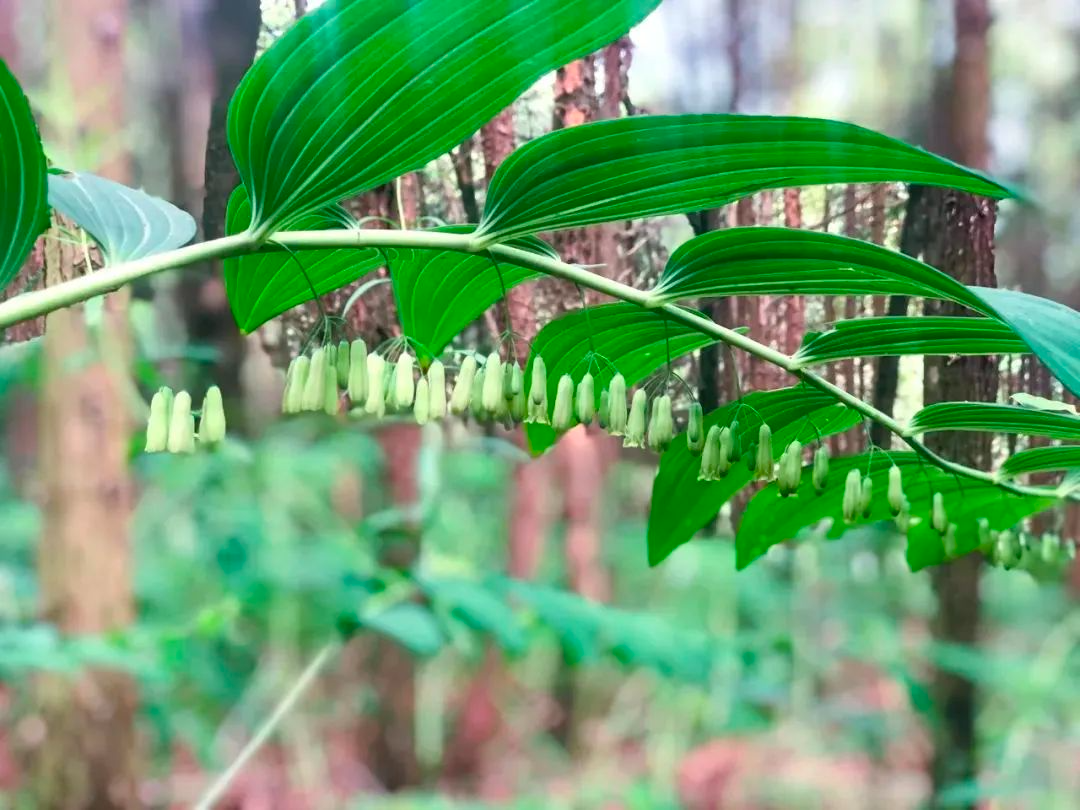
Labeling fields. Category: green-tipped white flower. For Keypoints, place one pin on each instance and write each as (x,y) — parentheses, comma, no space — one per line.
(661,424)
(181,437)
(315,386)
(634,435)
(538,382)
(422,403)
(212,422)
(695,429)
(297,384)
(157,426)
(710,456)
(459,400)
(375,402)
(949,542)
(562,417)
(518,404)
(790,469)
(604,409)
(1050,548)
(727,449)
(343,363)
(866,496)
(331,394)
(358,371)
(939,518)
(513,381)
(896,490)
(616,406)
(476,398)
(586,399)
(852,495)
(763,459)
(493,384)
(436,376)
(404,385)
(1010,551)
(821,469)
(903,518)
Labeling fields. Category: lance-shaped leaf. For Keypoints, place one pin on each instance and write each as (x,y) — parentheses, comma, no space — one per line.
(771,519)
(650,165)
(1026,400)
(1042,459)
(261,286)
(361,91)
(604,340)
(994,418)
(783,261)
(1052,330)
(682,505)
(24,213)
(439,293)
(928,335)
(126,223)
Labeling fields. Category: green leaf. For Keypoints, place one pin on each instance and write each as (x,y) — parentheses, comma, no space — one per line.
(681,505)
(1042,403)
(782,261)
(605,340)
(995,418)
(439,293)
(361,91)
(261,286)
(771,519)
(410,625)
(126,223)
(478,606)
(1042,459)
(574,620)
(875,337)
(1052,330)
(650,165)
(24,213)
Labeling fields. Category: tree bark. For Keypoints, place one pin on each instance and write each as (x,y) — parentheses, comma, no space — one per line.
(960,243)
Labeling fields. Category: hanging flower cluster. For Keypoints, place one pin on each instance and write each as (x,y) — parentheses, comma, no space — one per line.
(171,425)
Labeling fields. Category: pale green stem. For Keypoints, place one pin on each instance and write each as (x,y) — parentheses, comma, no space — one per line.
(39,302)
(307,677)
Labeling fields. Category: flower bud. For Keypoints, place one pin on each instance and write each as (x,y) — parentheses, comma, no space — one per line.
(493,383)
(866,496)
(763,462)
(315,386)
(949,542)
(436,377)
(634,435)
(476,398)
(512,380)
(344,363)
(297,384)
(790,473)
(986,540)
(1050,548)
(661,424)
(375,403)
(939,519)
(518,404)
(404,385)
(212,421)
(538,384)
(616,406)
(604,409)
(710,456)
(181,437)
(459,399)
(695,429)
(586,399)
(821,469)
(896,490)
(157,426)
(727,450)
(852,495)
(562,417)
(422,403)
(332,395)
(358,371)
(1009,550)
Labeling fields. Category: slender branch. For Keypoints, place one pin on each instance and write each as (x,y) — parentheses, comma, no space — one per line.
(307,677)
(40,302)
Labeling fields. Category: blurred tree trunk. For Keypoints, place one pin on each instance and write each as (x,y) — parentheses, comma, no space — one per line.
(86,755)
(9,44)
(960,243)
(230,30)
